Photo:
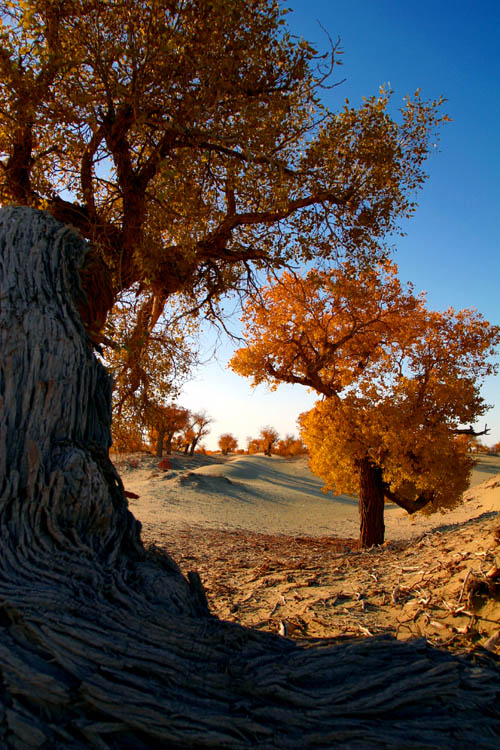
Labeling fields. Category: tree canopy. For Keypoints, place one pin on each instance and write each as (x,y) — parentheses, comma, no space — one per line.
(227,443)
(188,142)
(164,421)
(398,380)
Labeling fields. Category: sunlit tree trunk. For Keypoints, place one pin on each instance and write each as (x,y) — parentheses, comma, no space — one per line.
(168,443)
(371,504)
(104,644)
(159,443)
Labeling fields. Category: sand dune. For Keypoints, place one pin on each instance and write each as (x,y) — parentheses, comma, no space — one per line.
(276,496)
(274,551)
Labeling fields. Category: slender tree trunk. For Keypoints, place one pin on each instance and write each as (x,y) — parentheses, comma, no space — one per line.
(168,444)
(159,443)
(104,644)
(371,504)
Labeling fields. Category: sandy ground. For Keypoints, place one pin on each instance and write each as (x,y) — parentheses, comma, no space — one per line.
(275,553)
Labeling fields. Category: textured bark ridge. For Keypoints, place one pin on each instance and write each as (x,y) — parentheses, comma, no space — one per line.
(104,644)
(371,504)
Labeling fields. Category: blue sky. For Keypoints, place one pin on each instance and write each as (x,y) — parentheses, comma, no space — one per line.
(452,247)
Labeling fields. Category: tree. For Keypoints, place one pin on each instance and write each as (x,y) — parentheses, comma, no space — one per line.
(152,366)
(186,143)
(290,446)
(127,436)
(228,443)
(200,427)
(183,161)
(253,445)
(268,437)
(398,380)
(164,422)
(197,427)
(185,439)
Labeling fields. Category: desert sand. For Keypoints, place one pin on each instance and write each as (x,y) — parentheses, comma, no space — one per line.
(275,552)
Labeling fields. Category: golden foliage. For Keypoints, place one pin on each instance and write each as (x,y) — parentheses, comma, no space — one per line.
(150,354)
(324,330)
(228,443)
(290,446)
(398,379)
(268,437)
(127,436)
(187,140)
(163,422)
(196,428)
(415,461)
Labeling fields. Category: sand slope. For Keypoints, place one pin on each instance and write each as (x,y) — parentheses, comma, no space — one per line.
(273,495)
(275,553)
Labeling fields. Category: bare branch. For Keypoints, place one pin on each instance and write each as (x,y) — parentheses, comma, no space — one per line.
(470,431)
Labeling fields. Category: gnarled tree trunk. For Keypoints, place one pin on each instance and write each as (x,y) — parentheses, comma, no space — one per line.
(371,504)
(104,644)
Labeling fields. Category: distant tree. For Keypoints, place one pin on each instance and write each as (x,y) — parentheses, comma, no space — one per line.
(185,439)
(398,381)
(197,428)
(290,446)
(496,448)
(227,443)
(475,445)
(164,422)
(268,438)
(298,448)
(253,445)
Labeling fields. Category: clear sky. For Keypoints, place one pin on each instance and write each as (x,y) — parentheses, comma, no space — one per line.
(452,247)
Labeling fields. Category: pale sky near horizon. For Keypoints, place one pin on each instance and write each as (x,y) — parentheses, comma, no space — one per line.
(452,248)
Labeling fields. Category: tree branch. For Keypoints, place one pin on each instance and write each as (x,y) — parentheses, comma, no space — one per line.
(86,170)
(471,431)
(214,246)
(310,380)
(411,506)
(242,156)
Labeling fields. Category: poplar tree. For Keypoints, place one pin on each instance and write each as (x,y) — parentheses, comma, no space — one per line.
(398,383)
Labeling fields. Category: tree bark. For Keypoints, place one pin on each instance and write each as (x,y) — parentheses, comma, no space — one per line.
(410,506)
(371,504)
(159,443)
(105,644)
